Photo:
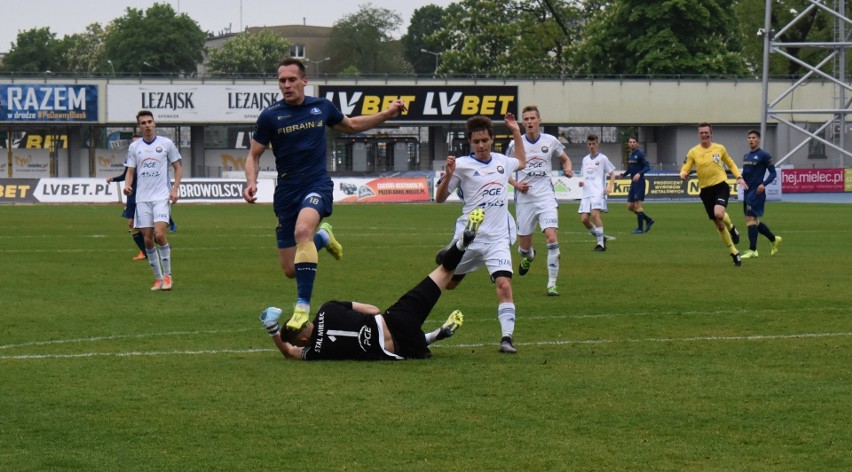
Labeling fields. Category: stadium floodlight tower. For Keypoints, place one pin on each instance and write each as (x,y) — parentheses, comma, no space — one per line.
(831,123)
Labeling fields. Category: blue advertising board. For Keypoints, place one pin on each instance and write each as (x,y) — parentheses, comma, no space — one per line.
(51,103)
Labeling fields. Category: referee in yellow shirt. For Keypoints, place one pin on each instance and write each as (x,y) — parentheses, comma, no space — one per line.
(708,159)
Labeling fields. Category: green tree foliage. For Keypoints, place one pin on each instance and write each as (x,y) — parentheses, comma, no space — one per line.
(34,51)
(249,54)
(816,26)
(83,54)
(170,43)
(425,21)
(363,41)
(669,37)
(503,38)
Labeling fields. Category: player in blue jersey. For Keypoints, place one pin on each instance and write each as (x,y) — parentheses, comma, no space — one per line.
(295,129)
(756,164)
(637,167)
(345,330)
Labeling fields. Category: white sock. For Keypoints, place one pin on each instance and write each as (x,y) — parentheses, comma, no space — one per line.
(528,253)
(433,336)
(506,315)
(552,263)
(154,261)
(599,233)
(166,258)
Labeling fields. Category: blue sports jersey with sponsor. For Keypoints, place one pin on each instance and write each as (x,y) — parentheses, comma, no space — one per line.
(755,165)
(297,135)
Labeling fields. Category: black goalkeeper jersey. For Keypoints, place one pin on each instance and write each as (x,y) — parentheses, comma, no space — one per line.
(341,333)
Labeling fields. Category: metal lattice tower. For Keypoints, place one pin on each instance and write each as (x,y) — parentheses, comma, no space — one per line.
(831,131)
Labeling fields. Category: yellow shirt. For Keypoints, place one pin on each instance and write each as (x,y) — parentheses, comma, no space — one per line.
(708,164)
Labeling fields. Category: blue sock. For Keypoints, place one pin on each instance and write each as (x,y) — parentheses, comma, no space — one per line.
(320,239)
(306,272)
(752,237)
(764,230)
(139,240)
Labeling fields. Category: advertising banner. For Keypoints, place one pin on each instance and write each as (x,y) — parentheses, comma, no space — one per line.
(191,103)
(109,162)
(426,103)
(35,139)
(234,160)
(17,190)
(212,190)
(30,163)
(813,180)
(76,191)
(28,103)
(383,190)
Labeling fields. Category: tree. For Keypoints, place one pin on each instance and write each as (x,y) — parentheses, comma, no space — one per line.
(424,22)
(35,50)
(249,54)
(507,38)
(169,43)
(83,54)
(362,40)
(670,37)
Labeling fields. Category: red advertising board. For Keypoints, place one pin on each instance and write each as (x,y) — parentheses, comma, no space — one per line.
(812,180)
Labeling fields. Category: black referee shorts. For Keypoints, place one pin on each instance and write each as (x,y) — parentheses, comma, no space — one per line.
(715,195)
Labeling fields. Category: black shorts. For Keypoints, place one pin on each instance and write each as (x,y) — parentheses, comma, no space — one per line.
(715,195)
(405,319)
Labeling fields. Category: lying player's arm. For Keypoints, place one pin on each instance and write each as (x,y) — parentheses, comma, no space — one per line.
(289,350)
(365,308)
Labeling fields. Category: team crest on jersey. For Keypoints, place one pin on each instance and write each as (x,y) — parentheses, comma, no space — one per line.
(159,149)
(717,158)
(500,169)
(545,149)
(315,111)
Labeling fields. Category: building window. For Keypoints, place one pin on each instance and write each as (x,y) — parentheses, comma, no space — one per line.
(297,51)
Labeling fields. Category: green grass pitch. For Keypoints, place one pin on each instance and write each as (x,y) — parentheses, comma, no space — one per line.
(659,355)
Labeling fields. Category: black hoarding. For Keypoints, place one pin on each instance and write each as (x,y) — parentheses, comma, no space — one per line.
(426,103)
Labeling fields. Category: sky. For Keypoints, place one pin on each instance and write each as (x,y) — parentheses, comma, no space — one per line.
(67,17)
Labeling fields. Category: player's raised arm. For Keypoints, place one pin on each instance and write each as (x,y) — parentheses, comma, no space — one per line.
(364,122)
(442,191)
(520,151)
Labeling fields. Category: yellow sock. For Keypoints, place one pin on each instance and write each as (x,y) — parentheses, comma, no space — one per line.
(727,221)
(726,238)
(306,252)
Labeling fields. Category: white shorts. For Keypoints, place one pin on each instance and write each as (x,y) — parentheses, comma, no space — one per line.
(147,213)
(495,256)
(588,204)
(544,213)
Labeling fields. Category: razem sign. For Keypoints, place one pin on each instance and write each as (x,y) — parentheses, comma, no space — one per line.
(191,103)
(426,103)
(48,103)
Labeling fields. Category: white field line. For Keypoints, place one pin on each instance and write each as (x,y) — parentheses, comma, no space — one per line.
(428,323)
(762,337)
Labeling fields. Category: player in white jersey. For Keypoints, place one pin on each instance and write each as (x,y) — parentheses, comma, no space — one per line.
(481,179)
(596,167)
(149,158)
(535,197)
